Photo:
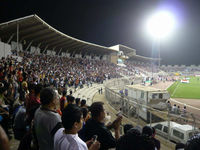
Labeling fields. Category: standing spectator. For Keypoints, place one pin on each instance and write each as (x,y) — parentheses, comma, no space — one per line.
(95,126)
(178,110)
(193,143)
(4,143)
(169,106)
(67,137)
(174,109)
(46,120)
(63,100)
(78,101)
(83,103)
(156,141)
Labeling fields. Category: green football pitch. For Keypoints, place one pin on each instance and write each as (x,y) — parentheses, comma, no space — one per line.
(189,90)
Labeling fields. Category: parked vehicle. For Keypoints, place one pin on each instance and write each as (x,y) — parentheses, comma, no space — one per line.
(177,133)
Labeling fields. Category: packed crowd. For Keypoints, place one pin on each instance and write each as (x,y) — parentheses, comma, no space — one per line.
(35,105)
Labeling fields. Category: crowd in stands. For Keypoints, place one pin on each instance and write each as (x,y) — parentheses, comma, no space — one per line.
(35,105)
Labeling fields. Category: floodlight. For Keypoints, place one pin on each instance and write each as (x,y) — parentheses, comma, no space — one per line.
(161,24)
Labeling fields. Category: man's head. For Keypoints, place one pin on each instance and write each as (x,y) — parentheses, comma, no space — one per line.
(48,96)
(70,99)
(64,93)
(193,143)
(83,102)
(147,131)
(97,111)
(127,127)
(72,118)
(85,112)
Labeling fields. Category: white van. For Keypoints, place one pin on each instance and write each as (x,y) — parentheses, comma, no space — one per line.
(178,133)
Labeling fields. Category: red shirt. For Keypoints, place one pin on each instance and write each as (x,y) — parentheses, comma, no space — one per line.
(62,102)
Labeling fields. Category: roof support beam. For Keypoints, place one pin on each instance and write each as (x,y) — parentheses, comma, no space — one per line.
(59,51)
(17,37)
(45,49)
(28,45)
(52,51)
(11,37)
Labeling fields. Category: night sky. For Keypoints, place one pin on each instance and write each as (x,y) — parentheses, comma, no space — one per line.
(111,22)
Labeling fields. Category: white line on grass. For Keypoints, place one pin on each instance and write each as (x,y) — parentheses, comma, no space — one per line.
(175,88)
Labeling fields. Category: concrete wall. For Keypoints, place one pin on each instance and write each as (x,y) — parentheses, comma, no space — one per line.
(5,49)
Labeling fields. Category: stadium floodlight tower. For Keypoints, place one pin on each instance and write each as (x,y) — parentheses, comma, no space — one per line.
(160,25)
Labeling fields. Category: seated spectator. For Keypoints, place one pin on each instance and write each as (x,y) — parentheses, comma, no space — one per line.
(46,120)
(95,126)
(67,137)
(193,143)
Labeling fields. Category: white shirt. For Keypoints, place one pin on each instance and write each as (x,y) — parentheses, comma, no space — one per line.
(64,141)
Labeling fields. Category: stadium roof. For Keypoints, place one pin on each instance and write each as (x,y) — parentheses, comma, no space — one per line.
(32,29)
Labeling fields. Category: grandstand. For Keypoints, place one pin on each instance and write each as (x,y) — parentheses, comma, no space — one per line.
(33,53)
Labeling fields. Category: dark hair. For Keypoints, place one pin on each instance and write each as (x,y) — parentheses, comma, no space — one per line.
(38,88)
(83,102)
(47,95)
(70,92)
(127,127)
(64,92)
(70,99)
(147,131)
(96,108)
(129,141)
(153,130)
(70,115)
(193,143)
(85,112)
(77,101)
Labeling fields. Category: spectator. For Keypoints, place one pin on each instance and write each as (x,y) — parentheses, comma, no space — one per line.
(95,126)
(19,126)
(46,120)
(4,143)
(134,140)
(193,143)
(67,137)
(156,141)
(78,101)
(63,100)
(127,127)
(174,109)
(83,103)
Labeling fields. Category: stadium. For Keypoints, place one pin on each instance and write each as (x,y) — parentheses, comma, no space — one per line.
(36,57)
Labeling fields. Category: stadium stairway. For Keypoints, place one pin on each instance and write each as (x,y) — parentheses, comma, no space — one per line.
(87,93)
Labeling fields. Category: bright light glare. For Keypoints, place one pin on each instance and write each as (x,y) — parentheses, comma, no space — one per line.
(161,24)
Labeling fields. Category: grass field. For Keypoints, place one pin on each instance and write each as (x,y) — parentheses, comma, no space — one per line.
(189,90)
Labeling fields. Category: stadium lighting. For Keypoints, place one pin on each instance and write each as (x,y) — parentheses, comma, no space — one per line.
(160,24)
